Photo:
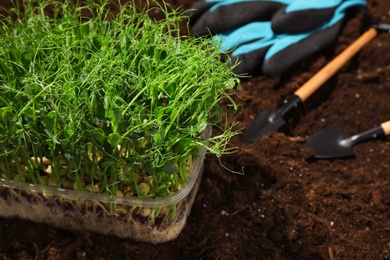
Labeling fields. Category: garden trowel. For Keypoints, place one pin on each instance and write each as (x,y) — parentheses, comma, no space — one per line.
(331,143)
(268,121)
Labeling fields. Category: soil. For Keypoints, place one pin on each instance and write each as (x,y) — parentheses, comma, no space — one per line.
(287,204)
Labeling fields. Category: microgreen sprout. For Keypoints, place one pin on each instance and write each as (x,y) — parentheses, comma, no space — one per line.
(107,103)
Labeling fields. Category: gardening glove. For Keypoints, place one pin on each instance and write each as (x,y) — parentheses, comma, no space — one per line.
(269,36)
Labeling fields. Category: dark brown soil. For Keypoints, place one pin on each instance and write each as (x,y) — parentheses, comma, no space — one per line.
(287,205)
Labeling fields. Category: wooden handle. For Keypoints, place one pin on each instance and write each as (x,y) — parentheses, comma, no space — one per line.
(386,127)
(332,67)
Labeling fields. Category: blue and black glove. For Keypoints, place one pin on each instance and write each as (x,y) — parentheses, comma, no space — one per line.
(270,36)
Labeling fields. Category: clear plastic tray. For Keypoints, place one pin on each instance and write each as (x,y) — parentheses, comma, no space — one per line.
(149,220)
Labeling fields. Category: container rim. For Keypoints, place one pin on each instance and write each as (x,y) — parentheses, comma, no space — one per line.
(105,198)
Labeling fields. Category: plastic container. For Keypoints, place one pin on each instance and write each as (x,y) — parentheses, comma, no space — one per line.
(148,220)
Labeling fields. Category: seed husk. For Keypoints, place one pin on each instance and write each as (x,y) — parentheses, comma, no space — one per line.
(144,188)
